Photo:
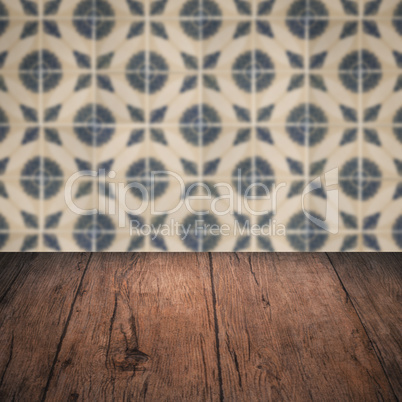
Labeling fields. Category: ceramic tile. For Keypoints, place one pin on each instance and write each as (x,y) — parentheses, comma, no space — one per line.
(19,45)
(282,100)
(282,9)
(19,145)
(19,100)
(123,49)
(276,47)
(227,100)
(385,242)
(230,48)
(382,45)
(23,209)
(384,148)
(383,210)
(346,9)
(16,242)
(311,10)
(233,145)
(380,9)
(337,48)
(14,9)
(339,144)
(122,8)
(284,151)
(282,115)
(381,104)
(175,100)
(126,145)
(69,98)
(334,99)
(120,99)
(173,46)
(175,154)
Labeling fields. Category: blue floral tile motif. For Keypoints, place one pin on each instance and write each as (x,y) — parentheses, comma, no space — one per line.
(4,21)
(142,184)
(4,227)
(94,125)
(250,71)
(94,233)
(41,178)
(147,72)
(361,69)
(4,126)
(251,171)
(202,18)
(397,229)
(199,238)
(89,21)
(306,19)
(307,124)
(364,179)
(311,237)
(397,18)
(16,9)
(254,95)
(398,125)
(40,69)
(200,125)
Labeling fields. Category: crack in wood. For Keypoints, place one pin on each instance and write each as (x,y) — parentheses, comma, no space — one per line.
(10,357)
(30,258)
(46,389)
(371,341)
(218,355)
(233,355)
(111,329)
(251,270)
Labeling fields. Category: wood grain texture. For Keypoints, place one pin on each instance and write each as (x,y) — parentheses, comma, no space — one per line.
(34,309)
(11,265)
(142,329)
(287,331)
(184,327)
(374,285)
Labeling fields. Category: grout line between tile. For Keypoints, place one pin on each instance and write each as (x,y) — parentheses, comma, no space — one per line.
(226,125)
(94,122)
(254,111)
(360,122)
(307,112)
(200,86)
(290,70)
(41,138)
(148,125)
(233,18)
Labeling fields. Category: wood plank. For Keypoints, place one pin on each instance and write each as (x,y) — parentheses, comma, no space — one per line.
(33,314)
(11,265)
(374,284)
(142,329)
(287,331)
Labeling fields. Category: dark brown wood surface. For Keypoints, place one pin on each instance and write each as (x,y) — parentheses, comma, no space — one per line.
(224,326)
(142,329)
(35,307)
(373,284)
(288,333)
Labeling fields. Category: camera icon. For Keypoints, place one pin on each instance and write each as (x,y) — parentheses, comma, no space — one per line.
(331,222)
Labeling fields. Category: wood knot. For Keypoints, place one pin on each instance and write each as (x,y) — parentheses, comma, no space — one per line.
(133,360)
(66,363)
(136,356)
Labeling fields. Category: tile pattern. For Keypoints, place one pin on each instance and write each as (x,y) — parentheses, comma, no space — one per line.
(228,92)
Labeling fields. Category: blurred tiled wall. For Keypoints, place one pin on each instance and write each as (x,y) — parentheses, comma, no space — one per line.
(180,114)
